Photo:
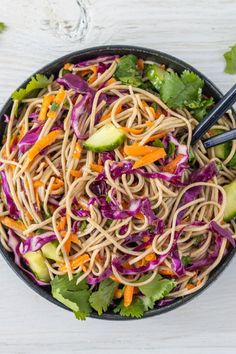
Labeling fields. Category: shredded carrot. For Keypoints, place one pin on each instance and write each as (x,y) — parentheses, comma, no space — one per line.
(13,224)
(96,168)
(27,213)
(37,198)
(76,173)
(153,111)
(171,166)
(84,268)
(144,104)
(110,81)
(108,115)
(118,294)
(156,136)
(132,130)
(93,77)
(60,96)
(141,263)
(77,151)
(22,132)
(75,263)
(38,184)
(189,286)
(62,224)
(158,113)
(150,158)
(128,295)
(139,150)
(57,184)
(149,124)
(42,143)
(67,66)
(72,238)
(112,277)
(139,215)
(166,272)
(150,257)
(140,64)
(47,100)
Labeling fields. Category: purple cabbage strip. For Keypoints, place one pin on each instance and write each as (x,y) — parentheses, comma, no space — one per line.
(102,97)
(164,302)
(99,188)
(107,155)
(219,231)
(6,118)
(78,116)
(14,243)
(75,226)
(53,201)
(29,139)
(35,243)
(76,83)
(98,60)
(123,229)
(204,174)
(95,280)
(176,262)
(81,213)
(190,195)
(14,212)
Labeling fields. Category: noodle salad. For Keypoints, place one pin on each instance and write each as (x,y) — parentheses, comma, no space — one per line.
(102,197)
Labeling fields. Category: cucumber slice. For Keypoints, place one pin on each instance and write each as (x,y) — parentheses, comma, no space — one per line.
(222,151)
(49,251)
(36,262)
(107,138)
(230,209)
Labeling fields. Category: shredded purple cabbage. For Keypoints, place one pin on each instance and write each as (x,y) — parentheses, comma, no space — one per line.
(76,83)
(219,231)
(35,243)
(190,195)
(14,243)
(95,280)
(98,60)
(204,174)
(29,139)
(79,113)
(13,211)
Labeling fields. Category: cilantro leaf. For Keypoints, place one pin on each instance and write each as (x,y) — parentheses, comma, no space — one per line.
(199,108)
(36,83)
(2,27)
(177,91)
(101,299)
(230,58)
(170,149)
(127,71)
(74,296)
(157,288)
(135,310)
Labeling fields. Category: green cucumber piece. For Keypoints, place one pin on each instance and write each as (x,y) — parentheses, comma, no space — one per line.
(230,209)
(155,75)
(106,138)
(36,263)
(49,251)
(222,151)
(232,162)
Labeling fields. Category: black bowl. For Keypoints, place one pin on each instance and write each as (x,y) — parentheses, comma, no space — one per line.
(178,65)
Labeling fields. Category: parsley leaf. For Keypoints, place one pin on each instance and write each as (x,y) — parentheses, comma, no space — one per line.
(2,27)
(158,143)
(127,71)
(157,288)
(75,297)
(178,91)
(36,83)
(101,299)
(136,309)
(230,58)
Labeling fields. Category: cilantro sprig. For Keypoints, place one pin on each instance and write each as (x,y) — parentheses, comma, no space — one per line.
(36,83)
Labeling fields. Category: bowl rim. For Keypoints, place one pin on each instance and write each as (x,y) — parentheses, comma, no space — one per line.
(90,53)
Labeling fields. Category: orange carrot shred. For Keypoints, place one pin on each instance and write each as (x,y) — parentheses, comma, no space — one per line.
(139,150)
(118,294)
(128,295)
(13,224)
(171,166)
(166,272)
(132,130)
(110,81)
(62,224)
(47,100)
(96,168)
(149,124)
(76,173)
(150,158)
(38,184)
(57,184)
(156,136)
(42,143)
(77,151)
(189,286)
(150,257)
(112,277)
(139,215)
(140,64)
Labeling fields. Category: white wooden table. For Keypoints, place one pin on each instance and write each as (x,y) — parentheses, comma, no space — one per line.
(198,32)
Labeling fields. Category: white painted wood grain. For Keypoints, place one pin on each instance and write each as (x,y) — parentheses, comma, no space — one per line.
(198,32)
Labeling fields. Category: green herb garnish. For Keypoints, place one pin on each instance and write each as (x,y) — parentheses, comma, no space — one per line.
(230,58)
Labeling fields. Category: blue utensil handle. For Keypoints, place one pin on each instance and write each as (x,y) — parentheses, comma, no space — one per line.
(220,139)
(219,109)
